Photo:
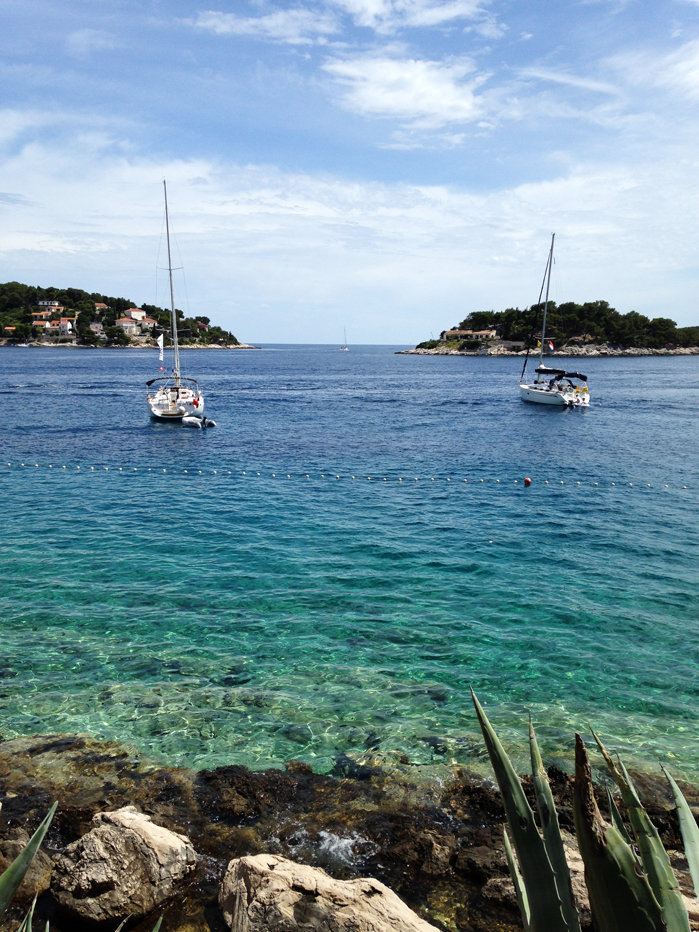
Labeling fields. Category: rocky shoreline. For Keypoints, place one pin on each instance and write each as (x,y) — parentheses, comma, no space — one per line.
(438,847)
(588,350)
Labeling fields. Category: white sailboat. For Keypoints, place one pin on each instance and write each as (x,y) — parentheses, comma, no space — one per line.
(345,347)
(174,400)
(553,386)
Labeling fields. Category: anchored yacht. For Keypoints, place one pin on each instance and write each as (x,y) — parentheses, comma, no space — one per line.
(174,400)
(552,386)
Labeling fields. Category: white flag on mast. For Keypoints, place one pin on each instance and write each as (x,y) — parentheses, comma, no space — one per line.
(161,344)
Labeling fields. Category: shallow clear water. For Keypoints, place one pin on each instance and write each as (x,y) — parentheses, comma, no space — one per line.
(224,616)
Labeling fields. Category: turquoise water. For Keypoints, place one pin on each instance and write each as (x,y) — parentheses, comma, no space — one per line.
(231,614)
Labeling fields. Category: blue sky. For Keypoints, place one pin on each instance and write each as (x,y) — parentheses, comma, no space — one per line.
(384,165)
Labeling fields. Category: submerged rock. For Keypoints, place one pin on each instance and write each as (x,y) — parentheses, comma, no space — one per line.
(268,893)
(126,865)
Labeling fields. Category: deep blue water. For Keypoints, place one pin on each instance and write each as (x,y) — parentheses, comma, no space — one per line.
(242,612)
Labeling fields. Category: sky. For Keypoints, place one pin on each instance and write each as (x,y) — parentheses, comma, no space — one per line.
(386,166)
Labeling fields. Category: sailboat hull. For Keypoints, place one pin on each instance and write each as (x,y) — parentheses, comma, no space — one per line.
(556,397)
(172,404)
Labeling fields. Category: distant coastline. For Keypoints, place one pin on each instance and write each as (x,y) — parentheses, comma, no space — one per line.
(591,350)
(35,344)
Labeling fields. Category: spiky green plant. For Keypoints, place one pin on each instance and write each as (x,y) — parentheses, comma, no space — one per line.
(629,891)
(621,899)
(654,858)
(520,891)
(690,832)
(11,879)
(543,896)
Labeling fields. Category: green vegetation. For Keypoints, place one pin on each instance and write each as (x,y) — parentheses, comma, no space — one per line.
(631,885)
(593,322)
(18,302)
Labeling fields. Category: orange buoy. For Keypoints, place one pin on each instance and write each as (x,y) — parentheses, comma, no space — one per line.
(527,481)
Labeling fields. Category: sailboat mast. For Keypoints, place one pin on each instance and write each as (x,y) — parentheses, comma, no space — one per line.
(176,369)
(546,302)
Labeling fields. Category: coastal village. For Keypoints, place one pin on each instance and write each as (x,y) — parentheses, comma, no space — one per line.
(72,317)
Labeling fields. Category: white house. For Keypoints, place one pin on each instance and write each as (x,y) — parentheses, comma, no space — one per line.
(128,325)
(66,326)
(54,305)
(135,313)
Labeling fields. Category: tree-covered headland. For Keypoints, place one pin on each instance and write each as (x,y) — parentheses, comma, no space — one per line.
(18,304)
(592,322)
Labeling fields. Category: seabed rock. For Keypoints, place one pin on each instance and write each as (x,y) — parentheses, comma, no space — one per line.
(268,893)
(126,865)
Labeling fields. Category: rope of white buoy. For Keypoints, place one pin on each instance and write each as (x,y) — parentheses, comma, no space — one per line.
(527,481)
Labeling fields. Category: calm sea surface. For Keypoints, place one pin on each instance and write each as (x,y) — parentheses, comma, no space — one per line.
(222,597)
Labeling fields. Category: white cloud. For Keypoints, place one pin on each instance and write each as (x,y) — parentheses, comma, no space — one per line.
(569,80)
(422,94)
(295,26)
(388,15)
(680,70)
(301,24)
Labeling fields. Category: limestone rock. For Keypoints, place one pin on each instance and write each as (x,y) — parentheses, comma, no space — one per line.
(125,865)
(268,893)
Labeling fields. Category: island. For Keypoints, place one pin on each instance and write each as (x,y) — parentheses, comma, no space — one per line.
(590,329)
(73,317)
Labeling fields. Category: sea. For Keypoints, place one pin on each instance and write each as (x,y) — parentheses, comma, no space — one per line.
(325,574)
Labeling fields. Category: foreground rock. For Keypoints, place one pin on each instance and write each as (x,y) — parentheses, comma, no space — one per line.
(268,893)
(437,845)
(125,866)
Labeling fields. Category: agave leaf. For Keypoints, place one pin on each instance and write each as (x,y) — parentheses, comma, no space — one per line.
(616,818)
(158,924)
(621,899)
(552,834)
(545,910)
(656,863)
(520,891)
(26,925)
(690,832)
(14,875)
(122,924)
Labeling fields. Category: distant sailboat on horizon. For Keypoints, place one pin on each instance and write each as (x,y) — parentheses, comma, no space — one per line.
(345,347)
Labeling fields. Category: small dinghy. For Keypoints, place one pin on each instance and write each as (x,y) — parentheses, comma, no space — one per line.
(200,423)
